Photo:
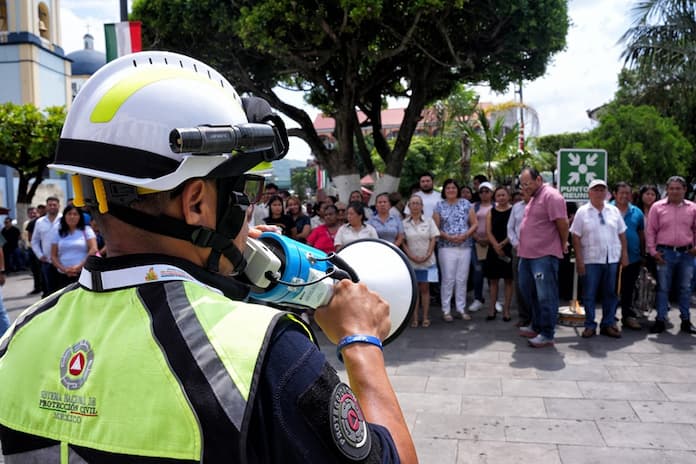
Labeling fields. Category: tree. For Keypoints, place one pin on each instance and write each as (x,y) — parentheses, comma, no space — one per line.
(660,56)
(642,146)
(28,139)
(302,179)
(456,112)
(491,144)
(552,143)
(354,54)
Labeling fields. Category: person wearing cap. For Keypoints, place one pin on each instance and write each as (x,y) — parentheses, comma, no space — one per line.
(543,240)
(670,237)
(156,356)
(599,240)
(480,245)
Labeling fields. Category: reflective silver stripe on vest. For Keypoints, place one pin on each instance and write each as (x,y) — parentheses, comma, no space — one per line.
(225,390)
(48,455)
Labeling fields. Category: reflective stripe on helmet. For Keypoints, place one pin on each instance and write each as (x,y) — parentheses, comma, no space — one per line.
(107,107)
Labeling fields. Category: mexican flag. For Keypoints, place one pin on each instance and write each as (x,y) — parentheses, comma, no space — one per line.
(322,177)
(122,38)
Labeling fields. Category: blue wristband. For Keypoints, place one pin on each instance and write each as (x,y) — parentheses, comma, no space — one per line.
(350,339)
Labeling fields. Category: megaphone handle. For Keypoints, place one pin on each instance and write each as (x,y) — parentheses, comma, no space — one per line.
(342,265)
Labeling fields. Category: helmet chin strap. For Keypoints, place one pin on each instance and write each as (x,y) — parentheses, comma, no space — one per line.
(200,236)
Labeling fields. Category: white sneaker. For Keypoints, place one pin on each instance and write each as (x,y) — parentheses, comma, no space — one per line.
(527,331)
(475,306)
(540,341)
(499,306)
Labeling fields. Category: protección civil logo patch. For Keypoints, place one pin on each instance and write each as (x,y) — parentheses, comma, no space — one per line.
(76,364)
(348,425)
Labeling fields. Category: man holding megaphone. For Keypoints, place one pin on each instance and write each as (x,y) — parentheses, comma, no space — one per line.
(155,356)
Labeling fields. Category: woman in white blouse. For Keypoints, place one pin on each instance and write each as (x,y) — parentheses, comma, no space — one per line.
(419,245)
(355,228)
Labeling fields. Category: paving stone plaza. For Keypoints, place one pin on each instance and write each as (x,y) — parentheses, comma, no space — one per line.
(474,392)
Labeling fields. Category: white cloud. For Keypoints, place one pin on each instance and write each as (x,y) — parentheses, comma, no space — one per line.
(76,15)
(584,76)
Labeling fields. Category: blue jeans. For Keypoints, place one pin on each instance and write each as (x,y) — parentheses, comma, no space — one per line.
(476,273)
(679,265)
(538,283)
(596,276)
(4,319)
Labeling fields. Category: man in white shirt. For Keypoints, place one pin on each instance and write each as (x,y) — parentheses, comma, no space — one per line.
(599,239)
(41,242)
(429,195)
(261,209)
(513,233)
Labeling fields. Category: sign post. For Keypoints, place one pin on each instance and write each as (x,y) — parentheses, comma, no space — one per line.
(577,167)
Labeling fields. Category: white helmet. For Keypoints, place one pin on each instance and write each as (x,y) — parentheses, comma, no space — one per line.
(148,122)
(119,126)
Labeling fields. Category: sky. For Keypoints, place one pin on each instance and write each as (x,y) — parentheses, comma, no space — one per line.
(582,77)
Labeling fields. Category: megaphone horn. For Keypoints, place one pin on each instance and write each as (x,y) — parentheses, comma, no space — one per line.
(288,273)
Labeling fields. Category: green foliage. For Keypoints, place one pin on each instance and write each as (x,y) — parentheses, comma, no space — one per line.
(642,146)
(660,56)
(493,146)
(350,54)
(301,179)
(552,143)
(28,139)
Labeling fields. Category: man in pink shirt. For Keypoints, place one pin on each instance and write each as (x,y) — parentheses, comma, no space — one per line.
(543,240)
(670,238)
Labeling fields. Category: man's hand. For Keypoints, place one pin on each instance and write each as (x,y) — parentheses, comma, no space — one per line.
(256,231)
(353,310)
(658,258)
(580,266)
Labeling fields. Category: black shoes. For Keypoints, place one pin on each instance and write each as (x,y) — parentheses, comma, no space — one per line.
(688,327)
(658,327)
(610,331)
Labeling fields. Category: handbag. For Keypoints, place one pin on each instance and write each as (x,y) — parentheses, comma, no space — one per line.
(644,293)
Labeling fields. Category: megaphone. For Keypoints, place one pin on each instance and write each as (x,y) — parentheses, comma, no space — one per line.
(288,273)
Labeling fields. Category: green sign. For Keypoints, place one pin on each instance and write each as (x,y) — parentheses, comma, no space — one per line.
(577,167)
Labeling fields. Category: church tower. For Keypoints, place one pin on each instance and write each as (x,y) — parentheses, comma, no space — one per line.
(33,66)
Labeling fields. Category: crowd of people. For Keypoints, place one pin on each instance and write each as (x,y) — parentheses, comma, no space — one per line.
(52,244)
(455,239)
(519,242)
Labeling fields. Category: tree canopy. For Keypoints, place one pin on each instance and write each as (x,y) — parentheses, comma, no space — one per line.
(642,145)
(28,139)
(354,54)
(660,56)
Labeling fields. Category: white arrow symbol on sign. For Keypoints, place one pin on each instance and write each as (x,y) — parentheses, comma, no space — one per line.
(589,177)
(573,178)
(591,160)
(574,159)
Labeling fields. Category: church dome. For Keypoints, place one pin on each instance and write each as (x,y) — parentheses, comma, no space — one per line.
(88,60)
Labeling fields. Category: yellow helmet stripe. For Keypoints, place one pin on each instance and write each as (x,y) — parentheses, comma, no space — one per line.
(264,165)
(117,95)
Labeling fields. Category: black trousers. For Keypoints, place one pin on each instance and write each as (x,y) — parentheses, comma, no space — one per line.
(35,266)
(629,275)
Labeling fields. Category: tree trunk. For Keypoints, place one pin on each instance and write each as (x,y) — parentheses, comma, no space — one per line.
(346,183)
(385,184)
